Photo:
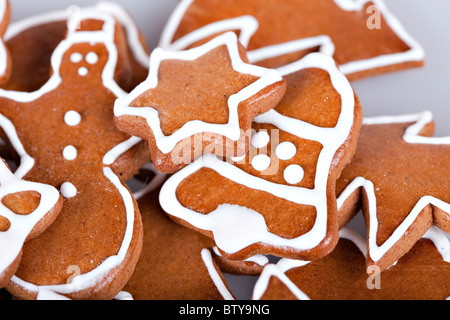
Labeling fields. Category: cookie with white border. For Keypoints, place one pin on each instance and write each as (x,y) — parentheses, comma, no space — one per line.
(26,210)
(198,101)
(363,36)
(400,176)
(422,274)
(280,198)
(65,137)
(176,263)
(42,33)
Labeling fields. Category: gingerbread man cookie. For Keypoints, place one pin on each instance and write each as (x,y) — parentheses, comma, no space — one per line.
(400,173)
(198,101)
(26,210)
(65,137)
(363,36)
(422,274)
(42,33)
(278,199)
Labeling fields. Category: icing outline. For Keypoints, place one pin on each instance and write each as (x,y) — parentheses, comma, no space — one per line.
(105,37)
(439,239)
(250,25)
(245,219)
(231,129)
(419,121)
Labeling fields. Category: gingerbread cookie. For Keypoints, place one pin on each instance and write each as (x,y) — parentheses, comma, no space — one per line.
(42,33)
(176,263)
(400,173)
(422,274)
(363,36)
(26,210)
(278,199)
(198,101)
(5,57)
(65,137)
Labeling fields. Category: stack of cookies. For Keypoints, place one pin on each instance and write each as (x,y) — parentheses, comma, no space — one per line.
(238,146)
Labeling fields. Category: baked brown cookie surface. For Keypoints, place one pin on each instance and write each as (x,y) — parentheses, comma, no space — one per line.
(363,37)
(279,198)
(422,274)
(400,176)
(65,137)
(198,101)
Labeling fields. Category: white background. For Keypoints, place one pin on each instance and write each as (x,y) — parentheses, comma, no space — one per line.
(404,92)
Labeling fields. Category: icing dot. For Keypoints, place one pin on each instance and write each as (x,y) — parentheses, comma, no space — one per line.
(293,174)
(68,190)
(72,118)
(286,151)
(70,153)
(261,162)
(260,139)
(76,57)
(92,58)
(83,71)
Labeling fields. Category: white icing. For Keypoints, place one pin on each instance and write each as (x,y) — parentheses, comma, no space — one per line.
(68,190)
(131,29)
(92,58)
(411,136)
(70,153)
(215,277)
(83,71)
(72,118)
(106,37)
(231,129)
(259,259)
(123,295)
(238,159)
(279,270)
(12,240)
(76,57)
(293,174)
(286,150)
(260,139)
(261,162)
(248,26)
(50,295)
(226,220)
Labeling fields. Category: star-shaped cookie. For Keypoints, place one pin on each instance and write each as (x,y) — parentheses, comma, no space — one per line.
(278,199)
(422,274)
(364,37)
(400,174)
(197,101)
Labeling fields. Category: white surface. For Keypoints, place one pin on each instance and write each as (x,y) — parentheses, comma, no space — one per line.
(404,92)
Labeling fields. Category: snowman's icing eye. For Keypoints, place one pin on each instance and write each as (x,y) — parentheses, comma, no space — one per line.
(76,57)
(91,58)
